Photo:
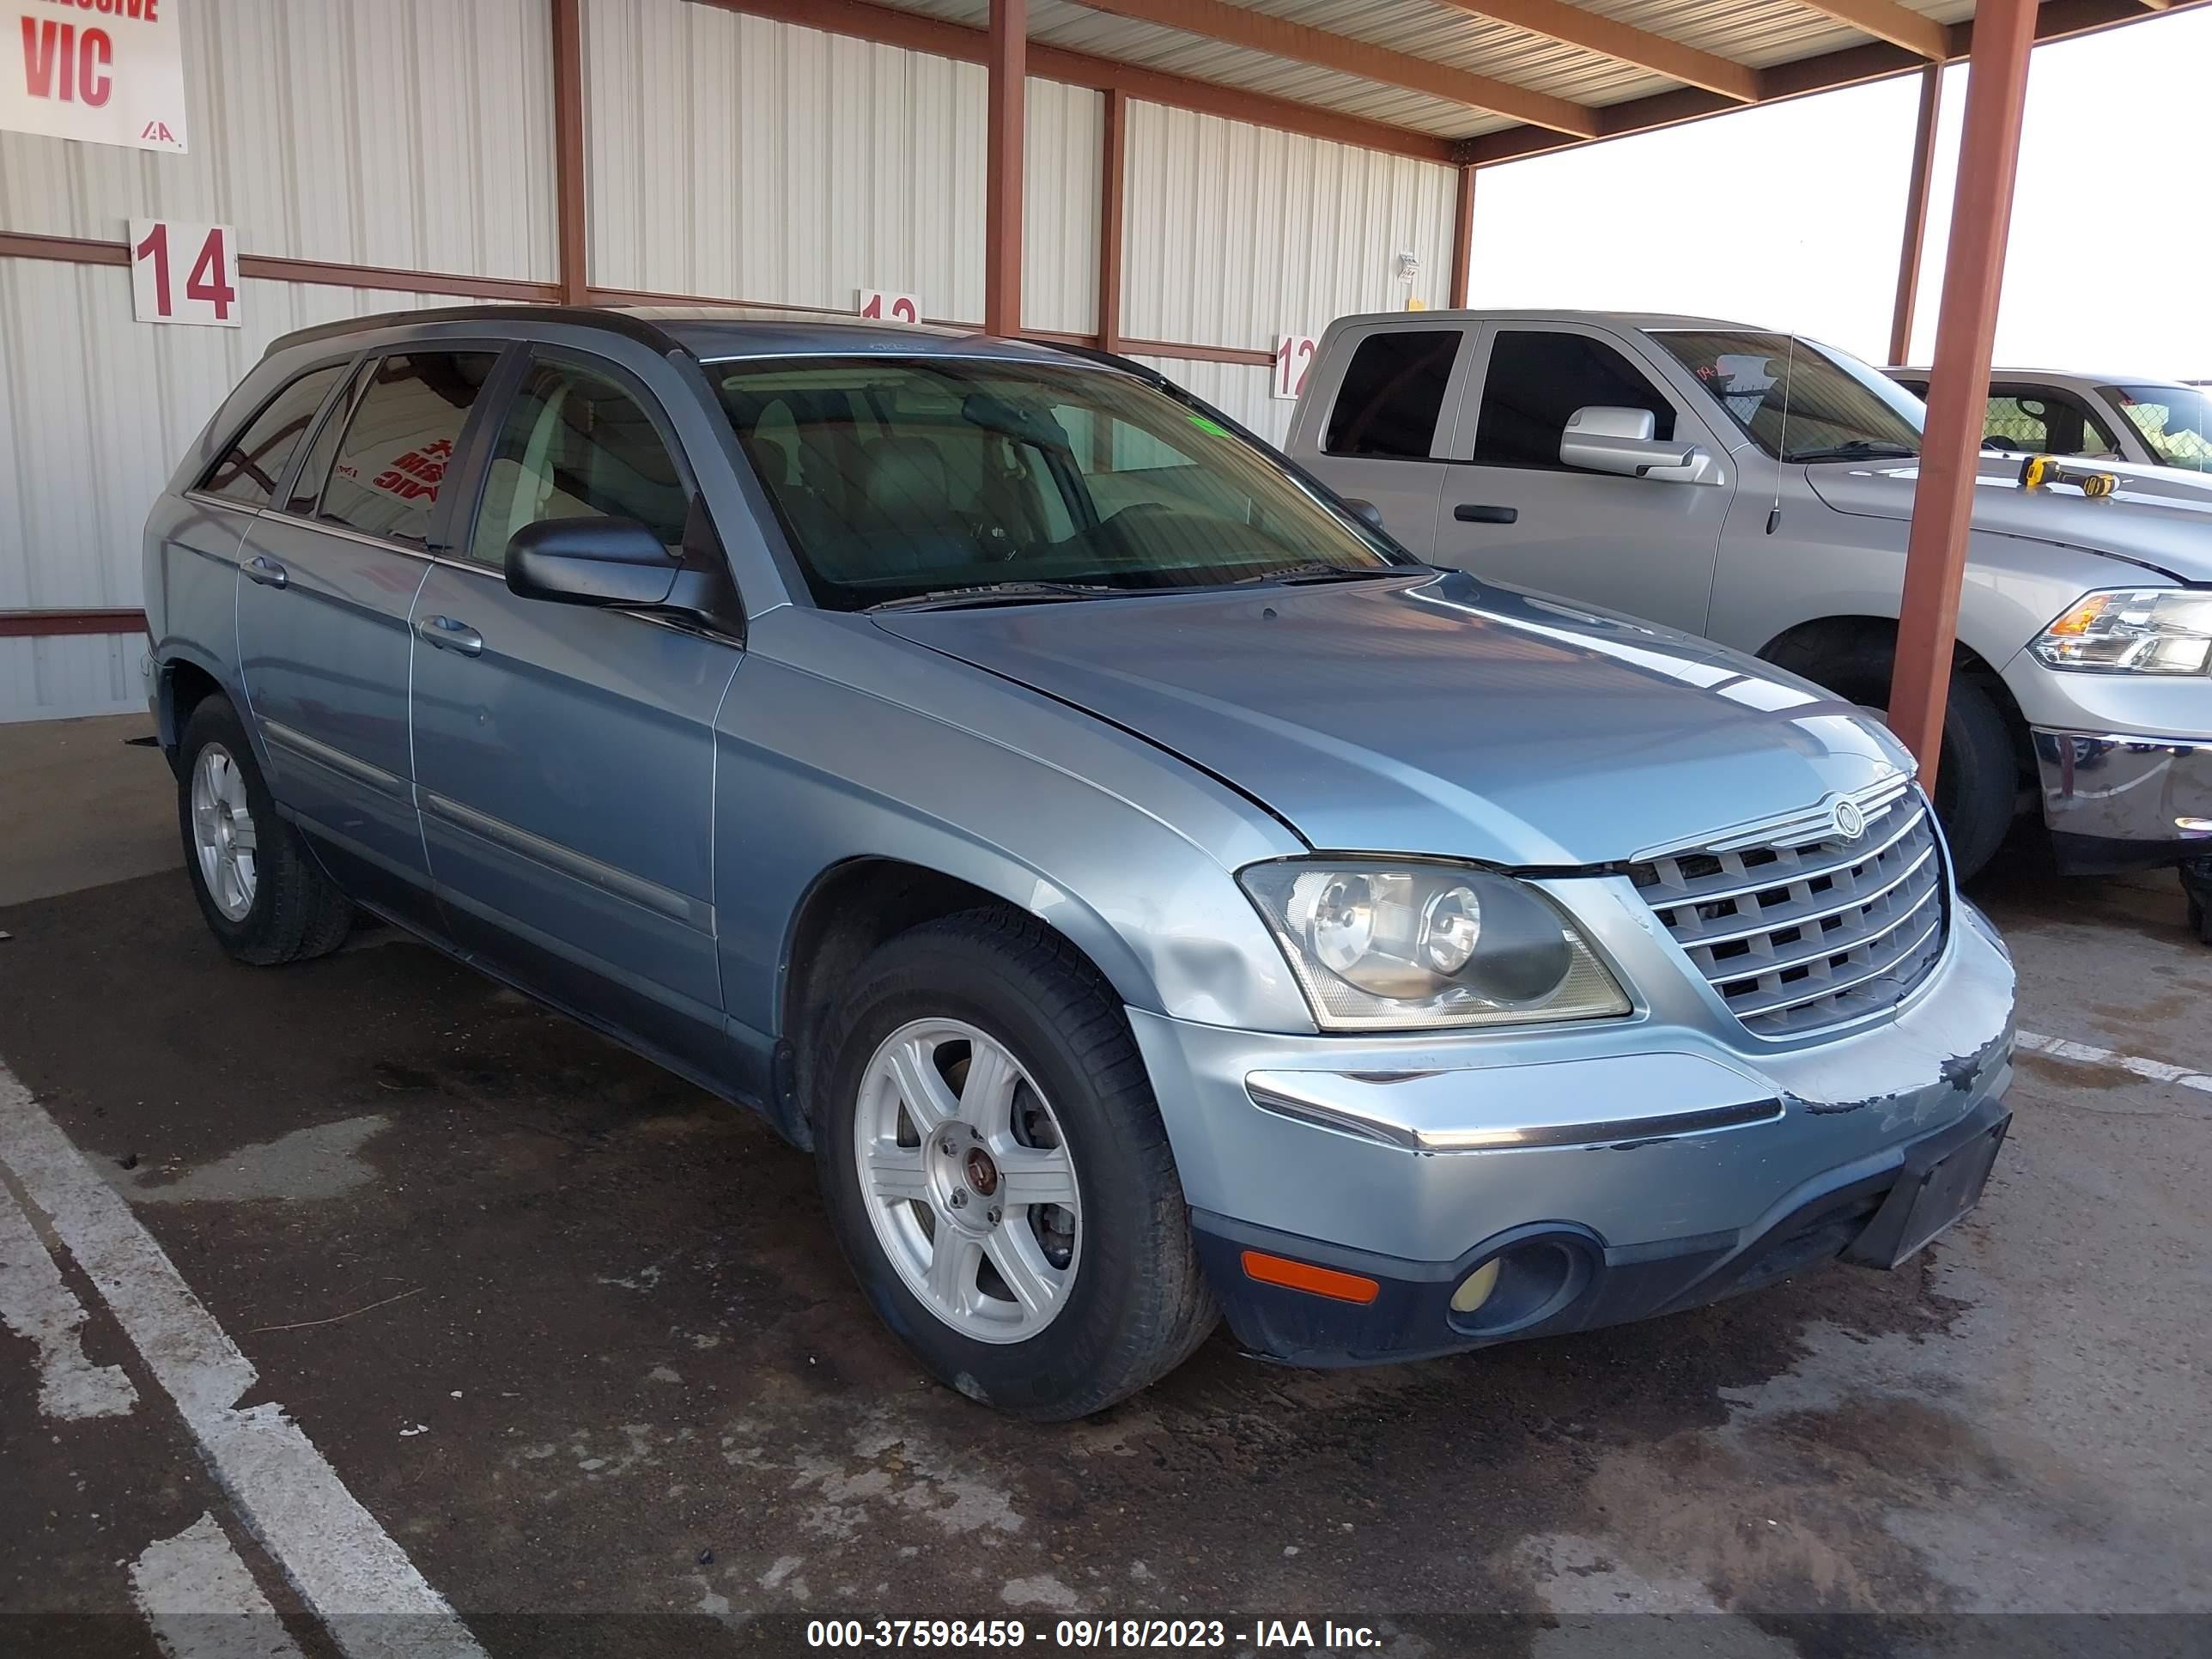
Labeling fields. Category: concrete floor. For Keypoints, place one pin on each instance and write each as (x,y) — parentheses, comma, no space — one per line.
(577,1339)
(81,804)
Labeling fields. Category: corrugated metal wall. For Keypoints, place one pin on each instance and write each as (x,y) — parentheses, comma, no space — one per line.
(726,155)
(1234,233)
(1238,389)
(716,140)
(94,412)
(415,134)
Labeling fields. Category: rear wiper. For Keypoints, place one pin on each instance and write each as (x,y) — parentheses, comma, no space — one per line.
(1320,571)
(945,598)
(1857,450)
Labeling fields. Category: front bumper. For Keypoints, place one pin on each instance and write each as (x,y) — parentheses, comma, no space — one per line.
(1655,1162)
(2118,801)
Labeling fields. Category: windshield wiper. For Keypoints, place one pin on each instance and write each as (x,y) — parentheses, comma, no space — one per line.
(1859,449)
(997,593)
(1319,570)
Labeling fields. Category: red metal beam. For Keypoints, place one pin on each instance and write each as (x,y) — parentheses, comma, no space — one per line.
(1876,60)
(916,33)
(569,209)
(1916,214)
(71,250)
(51,624)
(1966,339)
(1004,127)
(1187,352)
(275,268)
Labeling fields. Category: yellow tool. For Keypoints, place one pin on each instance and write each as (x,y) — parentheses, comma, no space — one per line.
(2038,471)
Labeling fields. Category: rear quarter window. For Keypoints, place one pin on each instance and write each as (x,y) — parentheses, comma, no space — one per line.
(253,461)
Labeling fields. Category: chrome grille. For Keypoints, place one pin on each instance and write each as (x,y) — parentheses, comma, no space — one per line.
(1800,928)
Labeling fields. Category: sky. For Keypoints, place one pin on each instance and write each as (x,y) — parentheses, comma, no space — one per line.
(1790,215)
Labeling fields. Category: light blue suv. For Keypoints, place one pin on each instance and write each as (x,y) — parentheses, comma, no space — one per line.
(1149,892)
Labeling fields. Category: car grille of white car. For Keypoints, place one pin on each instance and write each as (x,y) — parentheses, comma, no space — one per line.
(1799,926)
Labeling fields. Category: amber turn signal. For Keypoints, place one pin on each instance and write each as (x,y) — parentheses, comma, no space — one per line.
(1304,1276)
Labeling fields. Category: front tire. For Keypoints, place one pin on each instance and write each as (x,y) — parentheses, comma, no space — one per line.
(264,897)
(997,1172)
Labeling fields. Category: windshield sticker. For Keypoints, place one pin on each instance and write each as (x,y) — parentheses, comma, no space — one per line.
(1205,425)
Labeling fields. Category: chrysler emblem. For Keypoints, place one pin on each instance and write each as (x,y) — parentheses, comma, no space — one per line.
(1851,823)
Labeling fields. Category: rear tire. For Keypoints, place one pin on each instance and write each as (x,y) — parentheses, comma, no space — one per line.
(1978,781)
(264,897)
(1126,1303)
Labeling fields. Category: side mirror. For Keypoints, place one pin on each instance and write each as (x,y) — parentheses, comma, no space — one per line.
(1602,439)
(1366,512)
(615,562)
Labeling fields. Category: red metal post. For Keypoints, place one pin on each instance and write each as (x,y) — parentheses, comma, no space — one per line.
(1916,215)
(1002,210)
(1958,394)
(1462,238)
(568,149)
(1115,161)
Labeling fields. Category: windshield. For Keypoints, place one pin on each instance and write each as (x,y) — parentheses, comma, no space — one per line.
(975,480)
(2175,421)
(1839,410)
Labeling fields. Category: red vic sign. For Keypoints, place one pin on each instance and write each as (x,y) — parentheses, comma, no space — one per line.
(100,71)
(182,273)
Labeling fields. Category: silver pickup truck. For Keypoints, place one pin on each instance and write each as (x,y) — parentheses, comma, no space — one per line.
(1757,488)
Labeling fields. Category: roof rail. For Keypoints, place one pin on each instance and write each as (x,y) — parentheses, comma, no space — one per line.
(615,322)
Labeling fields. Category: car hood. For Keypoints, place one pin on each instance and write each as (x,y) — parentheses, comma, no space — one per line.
(1434,714)
(2159,516)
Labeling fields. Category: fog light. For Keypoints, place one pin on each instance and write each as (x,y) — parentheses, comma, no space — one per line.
(1474,1290)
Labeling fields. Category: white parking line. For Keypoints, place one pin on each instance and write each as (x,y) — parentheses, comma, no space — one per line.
(34,1302)
(2087,1054)
(345,1567)
(202,1602)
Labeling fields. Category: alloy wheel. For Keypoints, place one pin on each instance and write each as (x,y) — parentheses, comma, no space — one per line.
(224,835)
(966,1179)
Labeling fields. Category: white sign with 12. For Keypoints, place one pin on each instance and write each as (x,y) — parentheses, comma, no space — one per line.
(182,273)
(1294,358)
(889,307)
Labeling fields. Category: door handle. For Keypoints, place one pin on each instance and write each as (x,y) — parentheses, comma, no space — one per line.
(450,634)
(1481,512)
(265,570)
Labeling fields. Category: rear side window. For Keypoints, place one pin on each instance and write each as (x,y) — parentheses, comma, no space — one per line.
(1538,379)
(400,440)
(1393,393)
(248,469)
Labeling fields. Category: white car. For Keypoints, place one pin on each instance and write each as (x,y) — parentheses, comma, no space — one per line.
(2120,418)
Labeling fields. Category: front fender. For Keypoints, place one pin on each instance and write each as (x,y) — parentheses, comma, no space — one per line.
(1124,849)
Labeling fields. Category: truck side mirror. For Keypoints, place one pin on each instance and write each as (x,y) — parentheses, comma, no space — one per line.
(1601,438)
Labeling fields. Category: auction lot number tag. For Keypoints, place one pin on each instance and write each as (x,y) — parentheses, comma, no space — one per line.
(1294,357)
(182,273)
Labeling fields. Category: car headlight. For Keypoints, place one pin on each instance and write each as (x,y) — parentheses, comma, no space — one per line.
(1379,945)
(2150,630)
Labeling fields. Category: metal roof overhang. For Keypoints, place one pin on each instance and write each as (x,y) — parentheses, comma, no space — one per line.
(1458,81)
